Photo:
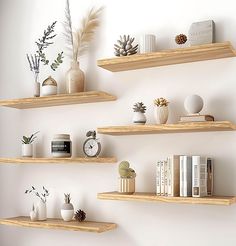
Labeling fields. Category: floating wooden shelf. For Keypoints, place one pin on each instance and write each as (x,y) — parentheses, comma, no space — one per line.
(168,128)
(77,160)
(151,197)
(169,57)
(57,100)
(87,226)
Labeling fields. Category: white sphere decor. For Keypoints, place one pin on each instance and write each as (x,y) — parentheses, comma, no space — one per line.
(193,104)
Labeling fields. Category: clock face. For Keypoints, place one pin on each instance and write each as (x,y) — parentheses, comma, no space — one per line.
(91,147)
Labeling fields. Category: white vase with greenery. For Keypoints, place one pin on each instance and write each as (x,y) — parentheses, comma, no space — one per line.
(78,43)
(27,145)
(161,111)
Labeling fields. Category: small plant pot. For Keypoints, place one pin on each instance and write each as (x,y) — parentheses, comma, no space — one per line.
(27,150)
(49,87)
(42,210)
(67,215)
(126,185)
(139,118)
(161,114)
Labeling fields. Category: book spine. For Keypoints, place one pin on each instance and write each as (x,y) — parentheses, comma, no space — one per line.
(199,176)
(166,178)
(188,176)
(210,175)
(158,178)
(174,166)
(162,178)
(181,178)
(170,176)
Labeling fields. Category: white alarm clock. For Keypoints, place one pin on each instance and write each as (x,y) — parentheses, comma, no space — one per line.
(91,147)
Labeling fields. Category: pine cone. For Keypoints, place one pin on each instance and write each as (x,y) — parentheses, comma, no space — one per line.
(181,39)
(125,47)
(80,215)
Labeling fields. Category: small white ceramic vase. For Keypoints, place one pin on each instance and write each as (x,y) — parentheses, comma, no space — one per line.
(36,89)
(67,215)
(33,214)
(139,118)
(42,210)
(27,150)
(147,43)
(126,185)
(74,79)
(193,104)
(49,87)
(161,114)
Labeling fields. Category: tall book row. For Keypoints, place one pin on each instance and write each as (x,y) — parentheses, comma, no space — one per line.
(181,175)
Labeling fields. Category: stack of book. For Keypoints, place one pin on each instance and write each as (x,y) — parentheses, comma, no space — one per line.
(196,118)
(181,175)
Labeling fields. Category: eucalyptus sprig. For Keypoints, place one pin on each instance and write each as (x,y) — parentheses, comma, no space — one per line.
(44,42)
(42,196)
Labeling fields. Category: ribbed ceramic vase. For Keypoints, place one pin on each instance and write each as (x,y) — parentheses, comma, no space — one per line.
(161,114)
(42,210)
(74,78)
(126,185)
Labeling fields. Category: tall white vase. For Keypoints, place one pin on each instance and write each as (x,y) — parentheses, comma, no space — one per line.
(161,114)
(42,210)
(147,43)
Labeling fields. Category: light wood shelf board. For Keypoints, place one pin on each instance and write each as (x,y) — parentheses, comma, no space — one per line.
(168,128)
(77,160)
(86,226)
(169,57)
(58,100)
(152,197)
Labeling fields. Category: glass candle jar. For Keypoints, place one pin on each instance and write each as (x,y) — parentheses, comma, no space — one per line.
(61,145)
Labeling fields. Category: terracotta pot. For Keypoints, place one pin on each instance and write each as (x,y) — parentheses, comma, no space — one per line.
(126,185)
(74,79)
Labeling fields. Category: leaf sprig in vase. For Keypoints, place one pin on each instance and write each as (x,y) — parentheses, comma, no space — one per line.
(42,196)
(78,41)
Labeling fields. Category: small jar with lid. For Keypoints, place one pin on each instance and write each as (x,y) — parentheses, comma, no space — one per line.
(61,145)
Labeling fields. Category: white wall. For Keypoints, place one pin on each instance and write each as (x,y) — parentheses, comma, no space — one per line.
(142,224)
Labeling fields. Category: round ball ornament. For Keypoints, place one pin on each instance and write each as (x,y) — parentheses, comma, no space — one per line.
(91,147)
(193,104)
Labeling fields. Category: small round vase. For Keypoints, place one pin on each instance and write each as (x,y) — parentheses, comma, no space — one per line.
(139,118)
(49,87)
(74,78)
(42,210)
(161,114)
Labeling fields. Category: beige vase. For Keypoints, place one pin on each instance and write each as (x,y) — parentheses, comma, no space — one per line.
(74,79)
(161,114)
(126,185)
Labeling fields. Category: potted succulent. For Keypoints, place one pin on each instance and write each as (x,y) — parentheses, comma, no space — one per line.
(67,210)
(78,43)
(161,111)
(41,207)
(27,145)
(127,178)
(139,113)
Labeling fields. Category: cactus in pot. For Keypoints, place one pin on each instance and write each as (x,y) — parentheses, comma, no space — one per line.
(127,178)
(67,210)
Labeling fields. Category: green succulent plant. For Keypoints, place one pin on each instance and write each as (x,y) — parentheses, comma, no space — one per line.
(125,171)
(139,107)
(67,198)
(29,140)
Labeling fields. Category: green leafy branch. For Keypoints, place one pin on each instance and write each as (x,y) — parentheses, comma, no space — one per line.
(57,62)
(29,140)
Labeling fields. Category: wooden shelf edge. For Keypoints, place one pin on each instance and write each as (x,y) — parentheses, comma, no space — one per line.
(85,226)
(78,160)
(152,197)
(168,128)
(169,57)
(58,100)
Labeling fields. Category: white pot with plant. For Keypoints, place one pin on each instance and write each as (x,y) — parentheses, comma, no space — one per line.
(67,209)
(78,44)
(41,208)
(27,145)
(161,111)
(49,86)
(139,117)
(127,178)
